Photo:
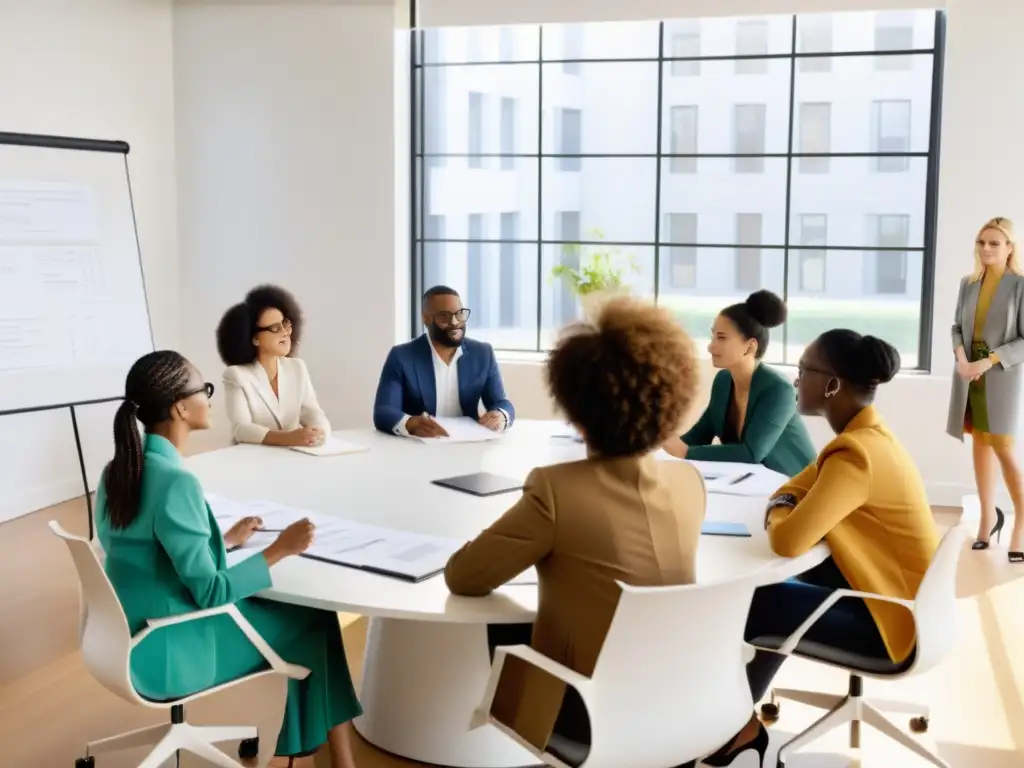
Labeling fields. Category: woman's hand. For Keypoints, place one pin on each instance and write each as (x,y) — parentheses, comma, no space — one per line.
(293,540)
(676,447)
(979,368)
(963,370)
(239,533)
(305,437)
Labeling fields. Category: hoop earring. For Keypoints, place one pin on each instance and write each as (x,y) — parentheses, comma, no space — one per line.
(832,392)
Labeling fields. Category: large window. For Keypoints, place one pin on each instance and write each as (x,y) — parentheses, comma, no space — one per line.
(703,158)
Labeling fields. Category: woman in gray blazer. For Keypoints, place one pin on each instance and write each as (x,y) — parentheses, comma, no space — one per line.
(988,341)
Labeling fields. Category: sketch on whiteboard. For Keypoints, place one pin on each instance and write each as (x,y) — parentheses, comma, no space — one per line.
(57,306)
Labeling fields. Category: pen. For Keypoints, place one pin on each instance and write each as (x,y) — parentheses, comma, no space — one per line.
(741,478)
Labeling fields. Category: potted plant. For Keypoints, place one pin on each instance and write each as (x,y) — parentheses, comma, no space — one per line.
(594,273)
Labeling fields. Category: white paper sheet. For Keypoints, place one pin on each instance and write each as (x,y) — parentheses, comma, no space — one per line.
(462,430)
(384,550)
(733,478)
(332,446)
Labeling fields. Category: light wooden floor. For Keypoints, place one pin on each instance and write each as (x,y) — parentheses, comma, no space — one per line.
(49,706)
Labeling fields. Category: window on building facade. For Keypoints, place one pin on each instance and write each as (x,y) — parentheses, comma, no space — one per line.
(683,140)
(815,136)
(578,163)
(748,124)
(681,261)
(752,40)
(890,133)
(813,232)
(686,45)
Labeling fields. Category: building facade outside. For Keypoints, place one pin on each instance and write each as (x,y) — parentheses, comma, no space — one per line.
(704,153)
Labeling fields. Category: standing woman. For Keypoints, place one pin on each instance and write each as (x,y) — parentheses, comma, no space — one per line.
(269,395)
(988,341)
(165,555)
(752,410)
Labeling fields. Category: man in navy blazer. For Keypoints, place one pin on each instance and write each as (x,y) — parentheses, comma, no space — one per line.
(441,373)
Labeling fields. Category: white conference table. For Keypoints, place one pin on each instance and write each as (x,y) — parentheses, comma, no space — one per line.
(426,661)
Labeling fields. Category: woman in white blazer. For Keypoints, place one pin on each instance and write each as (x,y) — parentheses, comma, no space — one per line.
(269,396)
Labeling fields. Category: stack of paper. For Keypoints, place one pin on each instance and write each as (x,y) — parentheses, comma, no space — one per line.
(462,430)
(401,554)
(332,446)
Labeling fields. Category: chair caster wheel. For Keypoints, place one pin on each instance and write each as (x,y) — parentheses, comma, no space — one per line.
(769,712)
(919,724)
(249,749)
(85,762)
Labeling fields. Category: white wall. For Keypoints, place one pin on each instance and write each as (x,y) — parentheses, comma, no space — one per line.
(286,142)
(100,69)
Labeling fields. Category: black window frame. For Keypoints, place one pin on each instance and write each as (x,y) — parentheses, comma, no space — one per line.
(790,248)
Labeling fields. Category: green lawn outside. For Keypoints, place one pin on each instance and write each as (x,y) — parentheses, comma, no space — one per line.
(897,323)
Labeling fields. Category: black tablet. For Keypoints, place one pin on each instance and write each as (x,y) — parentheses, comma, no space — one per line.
(481,484)
(723,528)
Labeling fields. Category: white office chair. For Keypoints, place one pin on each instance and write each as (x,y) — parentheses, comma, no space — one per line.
(670,684)
(106,647)
(934,610)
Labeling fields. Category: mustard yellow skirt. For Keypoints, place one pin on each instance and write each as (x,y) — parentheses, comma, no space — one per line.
(976,418)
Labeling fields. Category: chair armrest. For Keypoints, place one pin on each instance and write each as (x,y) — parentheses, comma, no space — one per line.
(481,716)
(794,639)
(277,664)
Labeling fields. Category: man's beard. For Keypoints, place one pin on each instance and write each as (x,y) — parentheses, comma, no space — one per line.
(440,335)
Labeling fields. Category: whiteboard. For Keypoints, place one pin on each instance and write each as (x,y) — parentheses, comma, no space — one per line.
(73,310)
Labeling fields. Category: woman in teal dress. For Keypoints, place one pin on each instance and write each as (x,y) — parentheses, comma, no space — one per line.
(752,410)
(165,555)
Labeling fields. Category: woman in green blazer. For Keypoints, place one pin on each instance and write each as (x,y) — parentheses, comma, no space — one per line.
(752,409)
(165,555)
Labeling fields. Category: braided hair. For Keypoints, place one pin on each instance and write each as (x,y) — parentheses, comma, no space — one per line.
(155,383)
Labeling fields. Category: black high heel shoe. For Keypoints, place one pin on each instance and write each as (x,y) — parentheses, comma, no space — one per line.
(724,757)
(1015,557)
(997,531)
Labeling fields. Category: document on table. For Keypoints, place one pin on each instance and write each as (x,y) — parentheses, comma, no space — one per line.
(462,430)
(333,446)
(400,554)
(734,478)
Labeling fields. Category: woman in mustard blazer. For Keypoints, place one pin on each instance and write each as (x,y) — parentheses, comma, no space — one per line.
(165,555)
(865,498)
(752,409)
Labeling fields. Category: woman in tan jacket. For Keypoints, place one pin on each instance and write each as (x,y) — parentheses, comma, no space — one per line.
(625,383)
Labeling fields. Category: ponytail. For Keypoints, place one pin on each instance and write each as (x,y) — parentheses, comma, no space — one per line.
(155,382)
(123,477)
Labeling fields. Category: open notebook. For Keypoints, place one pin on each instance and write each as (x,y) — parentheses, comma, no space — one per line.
(332,446)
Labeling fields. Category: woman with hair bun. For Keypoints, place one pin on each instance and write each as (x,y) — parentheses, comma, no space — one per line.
(752,411)
(865,498)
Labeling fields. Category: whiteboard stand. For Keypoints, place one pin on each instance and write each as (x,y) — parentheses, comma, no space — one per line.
(73,225)
(78,442)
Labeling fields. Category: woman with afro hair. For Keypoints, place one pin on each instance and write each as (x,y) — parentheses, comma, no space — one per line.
(268,393)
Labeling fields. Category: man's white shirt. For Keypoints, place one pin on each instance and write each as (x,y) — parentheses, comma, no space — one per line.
(446,383)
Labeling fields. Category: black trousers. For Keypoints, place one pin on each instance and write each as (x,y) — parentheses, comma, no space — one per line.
(780,609)
(572,721)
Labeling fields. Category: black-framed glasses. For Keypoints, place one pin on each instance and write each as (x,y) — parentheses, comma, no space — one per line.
(208,388)
(446,318)
(284,325)
(801,369)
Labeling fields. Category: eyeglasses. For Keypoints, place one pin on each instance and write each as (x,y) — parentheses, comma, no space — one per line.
(801,369)
(284,325)
(208,388)
(445,318)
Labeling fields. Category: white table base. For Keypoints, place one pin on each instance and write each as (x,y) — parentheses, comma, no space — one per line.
(421,682)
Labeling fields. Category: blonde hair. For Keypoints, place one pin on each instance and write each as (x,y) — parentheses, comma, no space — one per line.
(1005,226)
